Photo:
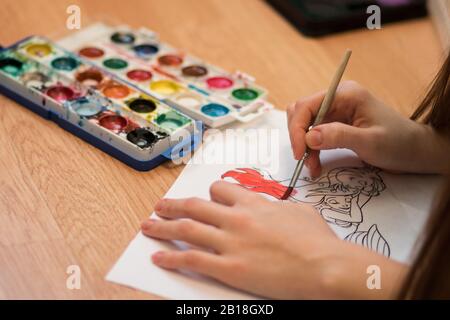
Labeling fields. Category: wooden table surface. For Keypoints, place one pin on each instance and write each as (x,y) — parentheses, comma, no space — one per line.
(64,202)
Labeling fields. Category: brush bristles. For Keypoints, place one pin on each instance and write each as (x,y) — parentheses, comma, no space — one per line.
(287,193)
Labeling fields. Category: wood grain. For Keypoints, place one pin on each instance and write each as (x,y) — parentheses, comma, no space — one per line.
(64,202)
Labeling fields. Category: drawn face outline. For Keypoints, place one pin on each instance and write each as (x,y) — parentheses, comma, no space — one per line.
(352,181)
(340,203)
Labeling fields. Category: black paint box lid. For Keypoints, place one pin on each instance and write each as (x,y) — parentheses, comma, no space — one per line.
(321,17)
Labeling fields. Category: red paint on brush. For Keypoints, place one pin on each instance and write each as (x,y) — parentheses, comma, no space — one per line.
(254,181)
(60,93)
(287,194)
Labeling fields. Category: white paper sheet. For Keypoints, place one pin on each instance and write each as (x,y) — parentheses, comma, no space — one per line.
(382,211)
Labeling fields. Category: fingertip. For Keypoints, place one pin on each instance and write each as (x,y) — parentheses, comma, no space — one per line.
(296,155)
(157,258)
(160,205)
(316,171)
(146,224)
(215,187)
(314,139)
(314,166)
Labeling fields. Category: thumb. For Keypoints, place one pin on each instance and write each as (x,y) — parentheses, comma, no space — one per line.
(335,135)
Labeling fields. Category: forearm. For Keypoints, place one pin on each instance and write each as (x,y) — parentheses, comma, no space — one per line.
(351,274)
(434,151)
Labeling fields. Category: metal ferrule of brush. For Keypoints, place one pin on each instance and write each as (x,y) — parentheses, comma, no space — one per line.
(298,168)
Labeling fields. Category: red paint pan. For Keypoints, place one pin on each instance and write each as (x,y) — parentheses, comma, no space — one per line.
(60,93)
(139,75)
(113,122)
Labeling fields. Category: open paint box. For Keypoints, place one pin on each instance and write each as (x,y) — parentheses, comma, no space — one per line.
(125,92)
(197,88)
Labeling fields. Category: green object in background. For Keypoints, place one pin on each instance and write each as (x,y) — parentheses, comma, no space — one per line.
(171,120)
(11,66)
(65,63)
(115,63)
(245,94)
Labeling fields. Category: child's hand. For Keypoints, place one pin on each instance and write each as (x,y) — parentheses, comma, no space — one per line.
(360,122)
(273,249)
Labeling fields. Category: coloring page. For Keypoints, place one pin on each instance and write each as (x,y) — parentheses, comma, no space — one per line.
(361,204)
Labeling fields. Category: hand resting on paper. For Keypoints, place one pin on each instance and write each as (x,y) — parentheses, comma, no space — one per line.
(377,133)
(272,249)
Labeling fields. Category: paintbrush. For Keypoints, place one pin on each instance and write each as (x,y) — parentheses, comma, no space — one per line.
(326,103)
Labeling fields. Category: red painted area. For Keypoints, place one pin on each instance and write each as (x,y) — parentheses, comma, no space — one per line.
(254,181)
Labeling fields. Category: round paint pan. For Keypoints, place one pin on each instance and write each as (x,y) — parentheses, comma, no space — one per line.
(91,52)
(194,71)
(11,66)
(188,101)
(215,110)
(115,63)
(90,77)
(34,79)
(245,94)
(142,105)
(219,82)
(116,91)
(60,93)
(164,87)
(145,50)
(39,49)
(141,137)
(170,60)
(171,120)
(86,108)
(113,122)
(123,38)
(139,75)
(65,63)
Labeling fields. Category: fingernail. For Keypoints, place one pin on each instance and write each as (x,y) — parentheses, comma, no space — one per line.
(314,138)
(159,205)
(146,224)
(156,258)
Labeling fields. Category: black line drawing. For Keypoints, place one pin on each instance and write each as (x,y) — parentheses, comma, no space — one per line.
(339,196)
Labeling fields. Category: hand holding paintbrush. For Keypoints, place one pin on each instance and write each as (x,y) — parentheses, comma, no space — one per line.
(324,107)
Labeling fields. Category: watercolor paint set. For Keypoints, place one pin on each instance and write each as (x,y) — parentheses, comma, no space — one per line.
(137,129)
(196,88)
(126,92)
